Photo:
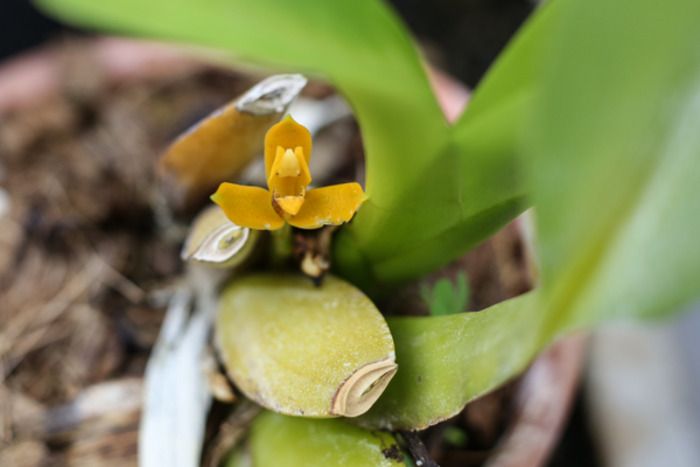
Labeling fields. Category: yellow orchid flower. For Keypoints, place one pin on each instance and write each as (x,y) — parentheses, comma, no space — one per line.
(287,155)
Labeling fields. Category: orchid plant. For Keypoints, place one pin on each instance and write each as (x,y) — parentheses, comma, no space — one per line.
(590,116)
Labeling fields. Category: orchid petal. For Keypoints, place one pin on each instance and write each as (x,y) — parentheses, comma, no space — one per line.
(330,205)
(286,134)
(248,206)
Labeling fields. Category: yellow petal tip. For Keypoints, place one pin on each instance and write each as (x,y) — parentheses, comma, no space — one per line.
(247,206)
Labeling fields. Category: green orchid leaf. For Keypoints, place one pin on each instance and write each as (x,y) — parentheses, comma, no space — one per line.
(481,186)
(435,223)
(301,349)
(279,441)
(447,361)
(614,161)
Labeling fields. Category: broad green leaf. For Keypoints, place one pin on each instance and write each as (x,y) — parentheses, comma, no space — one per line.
(301,349)
(480,185)
(462,199)
(614,161)
(447,361)
(447,218)
(279,441)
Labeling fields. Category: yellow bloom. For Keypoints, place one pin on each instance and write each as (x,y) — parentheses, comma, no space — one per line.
(287,155)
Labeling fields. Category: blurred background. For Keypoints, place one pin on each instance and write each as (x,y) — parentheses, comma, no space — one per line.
(23,27)
(638,403)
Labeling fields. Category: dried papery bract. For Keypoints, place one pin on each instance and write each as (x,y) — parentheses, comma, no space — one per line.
(300,349)
(216,241)
(221,145)
(363,388)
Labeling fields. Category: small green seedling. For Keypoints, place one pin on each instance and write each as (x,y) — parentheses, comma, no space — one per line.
(446,297)
(455,436)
